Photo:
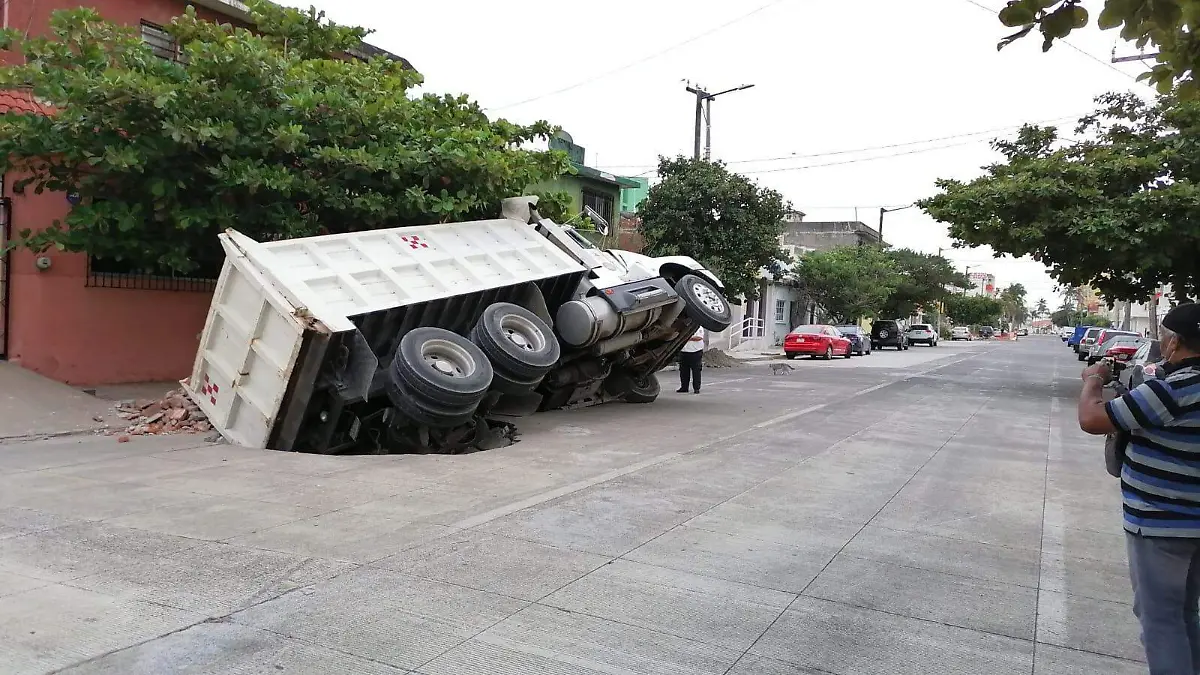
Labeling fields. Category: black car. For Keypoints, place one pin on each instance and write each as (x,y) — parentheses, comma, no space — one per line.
(888,333)
(860,342)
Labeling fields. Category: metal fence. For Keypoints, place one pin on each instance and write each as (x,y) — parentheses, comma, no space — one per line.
(106,273)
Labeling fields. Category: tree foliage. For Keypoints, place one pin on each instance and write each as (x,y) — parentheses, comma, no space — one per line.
(925,280)
(974,310)
(1168,25)
(849,282)
(277,133)
(1042,309)
(1015,310)
(722,219)
(1069,317)
(1119,212)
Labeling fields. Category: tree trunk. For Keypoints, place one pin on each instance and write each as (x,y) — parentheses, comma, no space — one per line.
(1153,312)
(1128,315)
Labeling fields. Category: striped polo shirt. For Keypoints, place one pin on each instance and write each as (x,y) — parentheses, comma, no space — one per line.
(1160,482)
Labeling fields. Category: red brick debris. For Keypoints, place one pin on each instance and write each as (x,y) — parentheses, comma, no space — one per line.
(175,413)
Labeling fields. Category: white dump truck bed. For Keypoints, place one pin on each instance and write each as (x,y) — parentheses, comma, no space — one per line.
(271,295)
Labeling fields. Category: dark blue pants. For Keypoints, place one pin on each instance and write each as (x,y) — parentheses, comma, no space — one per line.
(690,365)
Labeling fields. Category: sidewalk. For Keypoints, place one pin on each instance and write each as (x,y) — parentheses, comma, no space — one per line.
(31,405)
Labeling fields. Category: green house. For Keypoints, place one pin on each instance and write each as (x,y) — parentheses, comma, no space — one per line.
(588,187)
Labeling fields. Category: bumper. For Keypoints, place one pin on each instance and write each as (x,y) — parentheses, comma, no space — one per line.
(807,348)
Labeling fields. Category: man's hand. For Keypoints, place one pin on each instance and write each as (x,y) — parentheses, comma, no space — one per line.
(1101,370)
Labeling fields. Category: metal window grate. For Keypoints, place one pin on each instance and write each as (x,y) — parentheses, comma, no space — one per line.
(161,43)
(600,203)
(107,273)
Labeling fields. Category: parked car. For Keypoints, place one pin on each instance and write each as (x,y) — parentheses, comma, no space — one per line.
(860,341)
(1022,332)
(1077,335)
(1086,342)
(1095,351)
(922,333)
(1065,332)
(1119,348)
(961,333)
(1143,365)
(816,340)
(987,332)
(888,333)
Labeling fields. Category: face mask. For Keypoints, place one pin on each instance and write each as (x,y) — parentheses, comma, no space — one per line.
(1169,356)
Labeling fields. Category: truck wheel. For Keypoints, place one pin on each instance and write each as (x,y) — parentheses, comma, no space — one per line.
(516,340)
(705,304)
(506,384)
(426,412)
(633,389)
(441,367)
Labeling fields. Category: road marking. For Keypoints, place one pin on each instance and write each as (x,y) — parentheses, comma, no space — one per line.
(1052,605)
(535,500)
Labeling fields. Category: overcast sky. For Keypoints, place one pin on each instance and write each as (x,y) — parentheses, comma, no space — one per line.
(830,77)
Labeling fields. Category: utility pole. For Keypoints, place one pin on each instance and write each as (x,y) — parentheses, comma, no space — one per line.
(704,101)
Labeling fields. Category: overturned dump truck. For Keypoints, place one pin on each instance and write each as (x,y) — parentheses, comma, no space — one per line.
(426,339)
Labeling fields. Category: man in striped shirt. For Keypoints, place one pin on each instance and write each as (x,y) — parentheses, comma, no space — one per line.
(1160,487)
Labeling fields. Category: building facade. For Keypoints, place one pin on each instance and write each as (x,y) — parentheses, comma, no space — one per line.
(588,187)
(63,316)
(983,283)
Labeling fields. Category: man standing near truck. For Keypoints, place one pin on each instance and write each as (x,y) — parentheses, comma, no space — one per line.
(691,362)
(1160,489)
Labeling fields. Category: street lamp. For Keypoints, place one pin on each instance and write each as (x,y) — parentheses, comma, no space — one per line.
(883,211)
(704,114)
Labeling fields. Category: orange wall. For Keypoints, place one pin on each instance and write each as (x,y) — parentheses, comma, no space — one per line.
(62,329)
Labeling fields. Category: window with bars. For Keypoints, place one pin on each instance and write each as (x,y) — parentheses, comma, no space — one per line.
(161,43)
(781,311)
(600,203)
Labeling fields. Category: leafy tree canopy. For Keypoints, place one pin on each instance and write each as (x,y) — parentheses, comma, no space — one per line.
(722,219)
(849,282)
(1013,301)
(1069,317)
(1168,25)
(276,133)
(974,310)
(924,281)
(1042,309)
(1119,212)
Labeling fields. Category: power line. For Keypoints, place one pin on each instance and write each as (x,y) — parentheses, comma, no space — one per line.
(1088,54)
(861,159)
(642,60)
(888,146)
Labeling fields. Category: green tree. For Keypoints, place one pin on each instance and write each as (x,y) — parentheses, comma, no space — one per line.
(974,310)
(1013,300)
(1168,25)
(1119,213)
(925,281)
(722,219)
(1042,309)
(276,133)
(849,282)
(1069,317)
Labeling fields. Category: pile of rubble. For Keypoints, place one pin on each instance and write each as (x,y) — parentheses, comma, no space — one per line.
(174,413)
(715,358)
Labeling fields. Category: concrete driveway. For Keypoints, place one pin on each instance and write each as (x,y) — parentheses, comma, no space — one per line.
(940,516)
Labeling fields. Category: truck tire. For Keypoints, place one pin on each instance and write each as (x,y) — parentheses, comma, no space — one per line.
(705,304)
(506,384)
(441,367)
(632,389)
(427,413)
(516,340)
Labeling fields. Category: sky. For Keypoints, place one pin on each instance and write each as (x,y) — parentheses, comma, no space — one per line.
(831,79)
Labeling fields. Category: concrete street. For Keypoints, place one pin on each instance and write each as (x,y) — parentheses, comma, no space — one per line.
(935,511)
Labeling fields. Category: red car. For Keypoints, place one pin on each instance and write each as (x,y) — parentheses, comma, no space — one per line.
(816,340)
